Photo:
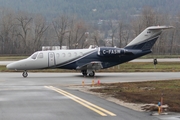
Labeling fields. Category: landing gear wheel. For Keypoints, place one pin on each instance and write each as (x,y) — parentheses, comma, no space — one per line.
(92,74)
(25,74)
(84,72)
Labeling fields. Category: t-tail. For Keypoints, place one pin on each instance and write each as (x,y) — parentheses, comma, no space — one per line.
(146,39)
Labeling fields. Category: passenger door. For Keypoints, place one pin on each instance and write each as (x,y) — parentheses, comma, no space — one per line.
(51,60)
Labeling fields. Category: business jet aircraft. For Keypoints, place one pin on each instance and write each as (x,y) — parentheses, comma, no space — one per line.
(90,60)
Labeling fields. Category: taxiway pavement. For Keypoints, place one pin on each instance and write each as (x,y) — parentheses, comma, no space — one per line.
(47,96)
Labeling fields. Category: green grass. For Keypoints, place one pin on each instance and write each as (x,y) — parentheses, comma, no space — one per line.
(145,92)
(159,56)
(126,67)
(145,67)
(12,58)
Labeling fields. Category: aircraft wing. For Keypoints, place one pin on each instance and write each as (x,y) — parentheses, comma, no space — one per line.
(95,65)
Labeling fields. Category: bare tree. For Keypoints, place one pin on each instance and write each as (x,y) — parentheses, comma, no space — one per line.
(39,28)
(120,33)
(24,25)
(113,28)
(70,35)
(172,41)
(22,33)
(126,35)
(174,36)
(60,26)
(80,30)
(148,16)
(145,19)
(77,34)
(137,26)
(6,30)
(96,37)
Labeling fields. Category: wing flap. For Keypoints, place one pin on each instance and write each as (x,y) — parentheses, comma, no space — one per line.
(95,65)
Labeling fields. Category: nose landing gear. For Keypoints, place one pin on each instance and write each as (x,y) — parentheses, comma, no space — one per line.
(25,74)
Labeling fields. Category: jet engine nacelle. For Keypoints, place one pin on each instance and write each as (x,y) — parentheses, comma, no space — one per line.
(110,51)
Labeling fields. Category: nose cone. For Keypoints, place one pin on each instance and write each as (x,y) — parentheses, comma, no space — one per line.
(18,65)
(11,66)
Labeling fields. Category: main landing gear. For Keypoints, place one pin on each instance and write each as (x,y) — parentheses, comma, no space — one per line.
(92,74)
(25,74)
(86,73)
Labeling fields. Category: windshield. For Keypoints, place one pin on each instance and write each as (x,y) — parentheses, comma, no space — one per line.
(33,56)
(40,55)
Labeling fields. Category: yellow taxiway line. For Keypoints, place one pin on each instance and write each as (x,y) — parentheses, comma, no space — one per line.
(85,103)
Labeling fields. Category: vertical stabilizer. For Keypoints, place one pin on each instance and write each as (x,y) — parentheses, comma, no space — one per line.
(146,39)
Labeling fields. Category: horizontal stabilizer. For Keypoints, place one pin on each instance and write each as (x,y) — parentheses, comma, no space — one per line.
(159,27)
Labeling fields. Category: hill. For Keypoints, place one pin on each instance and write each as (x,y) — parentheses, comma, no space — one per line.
(90,9)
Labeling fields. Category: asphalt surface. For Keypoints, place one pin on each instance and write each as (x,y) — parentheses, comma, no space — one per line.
(48,96)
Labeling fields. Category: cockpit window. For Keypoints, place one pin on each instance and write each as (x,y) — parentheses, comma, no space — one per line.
(34,56)
(40,55)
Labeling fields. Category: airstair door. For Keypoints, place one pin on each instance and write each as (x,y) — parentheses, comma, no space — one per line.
(51,60)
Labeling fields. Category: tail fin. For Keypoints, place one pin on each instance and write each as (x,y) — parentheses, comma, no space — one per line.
(146,39)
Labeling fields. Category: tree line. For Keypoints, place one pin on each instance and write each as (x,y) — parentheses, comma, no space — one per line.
(24,33)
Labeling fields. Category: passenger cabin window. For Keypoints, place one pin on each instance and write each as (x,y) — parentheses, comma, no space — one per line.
(34,55)
(57,54)
(51,55)
(40,55)
(63,54)
(81,54)
(75,54)
(148,31)
(69,54)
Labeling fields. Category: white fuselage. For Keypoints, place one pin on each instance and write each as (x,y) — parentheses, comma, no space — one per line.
(49,59)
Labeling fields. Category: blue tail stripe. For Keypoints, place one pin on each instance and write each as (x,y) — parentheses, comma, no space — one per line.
(145,45)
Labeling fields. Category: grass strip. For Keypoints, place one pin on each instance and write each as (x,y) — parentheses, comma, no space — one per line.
(145,92)
(126,67)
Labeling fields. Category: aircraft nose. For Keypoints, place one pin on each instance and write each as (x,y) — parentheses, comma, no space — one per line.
(17,65)
(10,66)
(13,66)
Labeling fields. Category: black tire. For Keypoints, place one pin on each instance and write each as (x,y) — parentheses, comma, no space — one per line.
(84,72)
(92,74)
(25,74)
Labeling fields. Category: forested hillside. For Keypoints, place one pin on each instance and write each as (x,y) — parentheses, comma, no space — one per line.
(91,9)
(27,25)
